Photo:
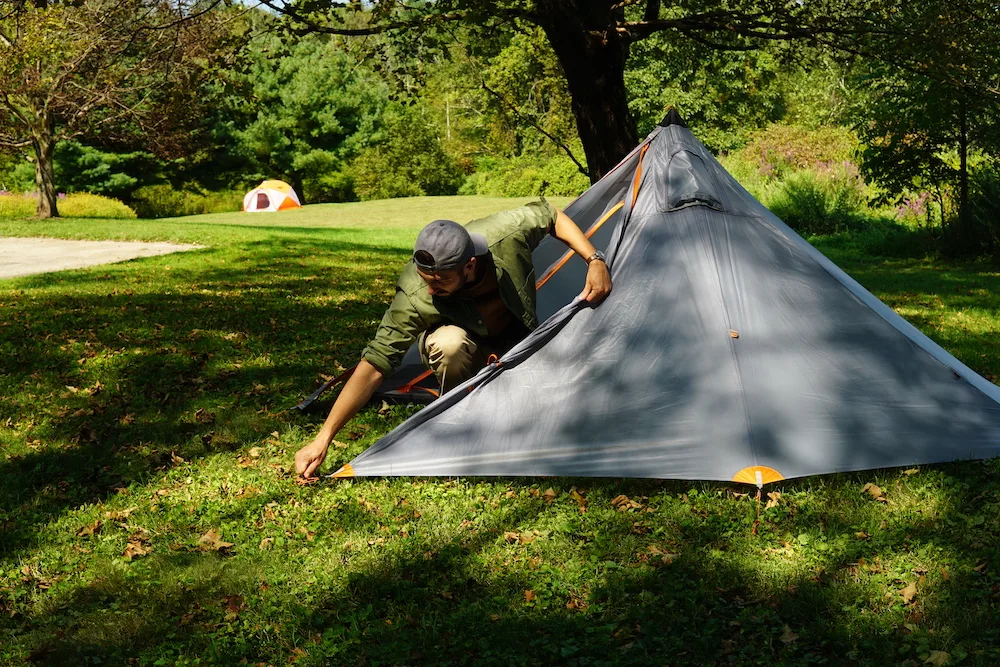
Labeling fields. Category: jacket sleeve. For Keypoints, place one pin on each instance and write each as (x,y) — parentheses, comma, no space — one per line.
(538,219)
(400,326)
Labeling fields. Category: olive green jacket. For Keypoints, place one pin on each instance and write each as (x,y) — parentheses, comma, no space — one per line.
(512,236)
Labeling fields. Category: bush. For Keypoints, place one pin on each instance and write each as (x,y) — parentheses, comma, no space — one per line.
(86,205)
(163,201)
(821,201)
(75,205)
(526,177)
(782,149)
(410,162)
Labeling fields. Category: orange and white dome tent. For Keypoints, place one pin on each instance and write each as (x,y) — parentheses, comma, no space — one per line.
(271,196)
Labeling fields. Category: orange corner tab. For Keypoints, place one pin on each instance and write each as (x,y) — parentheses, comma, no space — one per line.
(758,475)
(345,471)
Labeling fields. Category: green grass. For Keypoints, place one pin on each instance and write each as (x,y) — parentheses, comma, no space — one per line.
(142,404)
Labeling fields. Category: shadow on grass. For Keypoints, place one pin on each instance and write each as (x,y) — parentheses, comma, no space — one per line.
(108,374)
(481,596)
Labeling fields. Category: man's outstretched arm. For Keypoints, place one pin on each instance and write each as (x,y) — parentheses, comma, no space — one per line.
(354,396)
(598,284)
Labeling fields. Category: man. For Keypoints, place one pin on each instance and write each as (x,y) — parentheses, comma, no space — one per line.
(467,293)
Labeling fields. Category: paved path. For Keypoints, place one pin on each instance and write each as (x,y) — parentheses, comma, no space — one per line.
(24,257)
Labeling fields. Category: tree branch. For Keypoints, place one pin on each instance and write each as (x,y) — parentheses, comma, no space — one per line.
(538,127)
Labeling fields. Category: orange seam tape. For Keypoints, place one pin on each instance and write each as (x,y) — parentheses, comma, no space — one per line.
(569,253)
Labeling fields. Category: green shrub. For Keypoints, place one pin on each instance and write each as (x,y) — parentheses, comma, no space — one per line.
(17,206)
(821,201)
(87,205)
(782,149)
(409,162)
(74,205)
(163,201)
(525,177)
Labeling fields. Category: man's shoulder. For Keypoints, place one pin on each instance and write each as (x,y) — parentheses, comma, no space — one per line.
(410,282)
(514,222)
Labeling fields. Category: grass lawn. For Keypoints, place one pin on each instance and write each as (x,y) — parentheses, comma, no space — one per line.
(149,513)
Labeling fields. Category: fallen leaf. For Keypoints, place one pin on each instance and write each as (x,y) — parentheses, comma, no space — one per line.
(339,445)
(549,495)
(938,658)
(120,515)
(92,529)
(176,459)
(212,541)
(494,617)
(384,409)
(254,452)
(787,637)
(529,596)
(862,535)
(911,471)
(580,500)
(135,550)
(979,568)
(944,574)
(772,499)
(874,491)
(909,592)
(266,543)
(234,603)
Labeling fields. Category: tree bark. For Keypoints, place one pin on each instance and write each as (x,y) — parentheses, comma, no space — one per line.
(963,176)
(593,54)
(43,142)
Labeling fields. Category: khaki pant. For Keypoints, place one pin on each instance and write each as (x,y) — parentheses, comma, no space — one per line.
(453,355)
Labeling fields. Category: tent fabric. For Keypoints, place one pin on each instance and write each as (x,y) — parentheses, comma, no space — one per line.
(729,349)
(271,196)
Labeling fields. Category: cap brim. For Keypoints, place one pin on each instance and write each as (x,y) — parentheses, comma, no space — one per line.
(479,244)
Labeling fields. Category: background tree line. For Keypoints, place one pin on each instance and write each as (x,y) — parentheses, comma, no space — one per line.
(829,114)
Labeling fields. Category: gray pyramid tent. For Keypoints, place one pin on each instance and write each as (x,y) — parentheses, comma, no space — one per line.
(729,349)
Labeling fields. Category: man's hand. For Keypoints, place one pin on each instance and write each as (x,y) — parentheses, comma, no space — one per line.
(310,457)
(598,282)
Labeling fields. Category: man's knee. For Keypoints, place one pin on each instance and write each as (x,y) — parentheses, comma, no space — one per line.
(449,343)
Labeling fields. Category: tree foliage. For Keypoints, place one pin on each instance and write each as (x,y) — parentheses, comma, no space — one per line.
(99,68)
(592,40)
(314,107)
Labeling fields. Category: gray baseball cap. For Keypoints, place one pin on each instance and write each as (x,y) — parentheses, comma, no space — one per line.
(445,245)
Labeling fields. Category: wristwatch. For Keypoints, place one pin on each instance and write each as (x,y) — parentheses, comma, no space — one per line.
(597,255)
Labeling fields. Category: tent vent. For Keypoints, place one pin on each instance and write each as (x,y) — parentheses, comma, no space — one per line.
(689,183)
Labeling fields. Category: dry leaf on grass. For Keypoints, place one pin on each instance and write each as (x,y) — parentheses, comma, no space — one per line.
(787,637)
(580,500)
(938,658)
(92,529)
(772,499)
(874,491)
(549,495)
(909,592)
(135,550)
(212,541)
(529,596)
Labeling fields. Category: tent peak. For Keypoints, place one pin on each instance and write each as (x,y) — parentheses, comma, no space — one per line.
(672,118)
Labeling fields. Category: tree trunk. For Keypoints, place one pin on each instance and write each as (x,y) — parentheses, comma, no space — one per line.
(593,54)
(297,186)
(43,143)
(963,177)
